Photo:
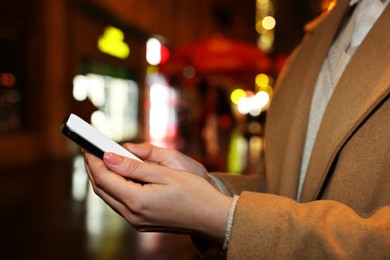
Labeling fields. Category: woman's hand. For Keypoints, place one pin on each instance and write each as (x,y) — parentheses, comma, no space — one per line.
(173,198)
(170,158)
(167,157)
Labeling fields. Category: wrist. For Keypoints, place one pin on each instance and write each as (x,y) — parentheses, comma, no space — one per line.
(216,222)
(218,184)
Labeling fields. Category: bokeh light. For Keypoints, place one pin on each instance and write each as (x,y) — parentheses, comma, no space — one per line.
(236,95)
(153,51)
(112,43)
(7,79)
(262,80)
(268,23)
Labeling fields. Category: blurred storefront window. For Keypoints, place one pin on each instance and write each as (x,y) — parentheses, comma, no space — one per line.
(116,103)
(162,104)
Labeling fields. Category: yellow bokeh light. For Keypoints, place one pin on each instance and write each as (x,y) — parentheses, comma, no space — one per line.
(262,80)
(151,70)
(263,4)
(236,95)
(111,42)
(259,27)
(268,23)
(266,41)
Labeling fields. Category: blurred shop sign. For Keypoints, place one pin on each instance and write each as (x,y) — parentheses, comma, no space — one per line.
(112,42)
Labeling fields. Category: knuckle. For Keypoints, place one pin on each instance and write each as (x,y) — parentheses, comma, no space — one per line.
(137,206)
(136,218)
(98,178)
(131,167)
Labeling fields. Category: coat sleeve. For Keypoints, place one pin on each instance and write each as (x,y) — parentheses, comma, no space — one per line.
(236,184)
(239,183)
(268,226)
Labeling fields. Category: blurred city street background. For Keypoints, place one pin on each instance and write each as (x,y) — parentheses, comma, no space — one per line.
(197,76)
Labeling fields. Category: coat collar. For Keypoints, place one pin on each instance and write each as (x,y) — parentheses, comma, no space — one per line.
(361,88)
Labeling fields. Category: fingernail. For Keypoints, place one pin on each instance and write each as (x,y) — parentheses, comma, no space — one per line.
(112,158)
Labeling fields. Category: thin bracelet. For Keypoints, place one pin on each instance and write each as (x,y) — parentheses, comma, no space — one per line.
(230,221)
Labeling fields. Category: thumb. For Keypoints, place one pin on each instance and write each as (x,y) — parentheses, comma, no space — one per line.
(113,159)
(129,168)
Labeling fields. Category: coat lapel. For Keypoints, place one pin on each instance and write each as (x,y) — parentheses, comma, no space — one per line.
(290,107)
(361,88)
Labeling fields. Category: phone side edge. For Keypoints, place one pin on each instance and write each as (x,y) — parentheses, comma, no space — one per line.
(80,140)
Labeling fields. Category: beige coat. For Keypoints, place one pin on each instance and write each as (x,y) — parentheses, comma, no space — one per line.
(345,204)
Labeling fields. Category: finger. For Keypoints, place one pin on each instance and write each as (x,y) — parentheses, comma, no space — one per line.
(119,206)
(135,170)
(123,196)
(107,184)
(150,152)
(91,161)
(99,174)
(164,156)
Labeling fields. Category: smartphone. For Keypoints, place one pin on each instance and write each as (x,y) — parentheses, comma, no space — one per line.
(91,139)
